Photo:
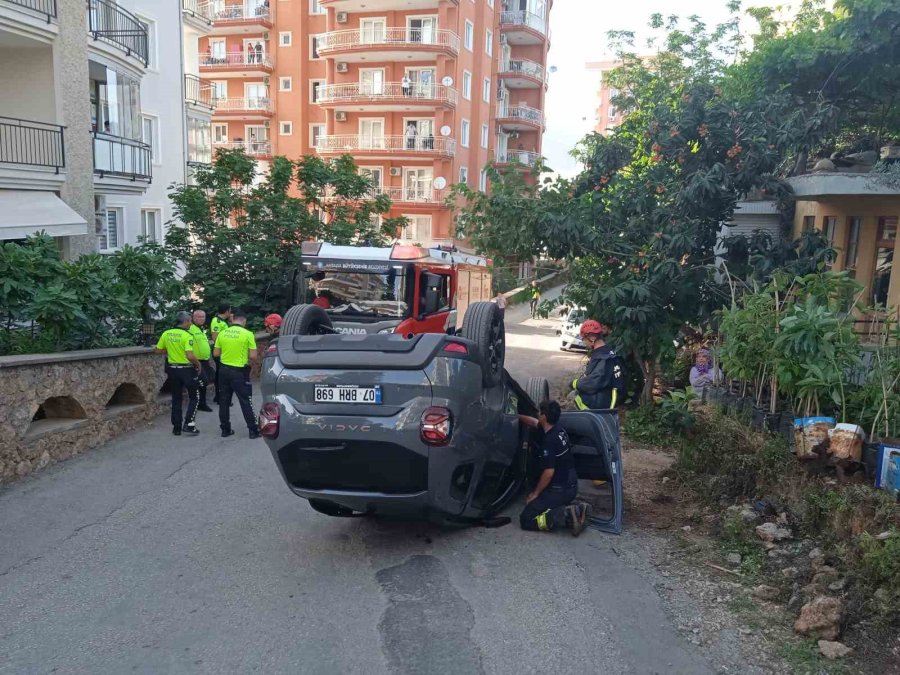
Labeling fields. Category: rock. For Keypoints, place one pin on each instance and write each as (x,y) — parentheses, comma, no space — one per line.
(733,558)
(838,585)
(749,515)
(818,563)
(771,532)
(665,480)
(882,536)
(789,572)
(820,618)
(794,602)
(833,650)
(763,592)
(686,528)
(782,518)
(23,468)
(824,165)
(816,553)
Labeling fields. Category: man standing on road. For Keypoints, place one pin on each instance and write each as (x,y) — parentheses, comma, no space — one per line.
(603,384)
(216,326)
(535,294)
(549,506)
(202,350)
(183,368)
(236,349)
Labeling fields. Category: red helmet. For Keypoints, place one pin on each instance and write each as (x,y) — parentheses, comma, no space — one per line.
(273,320)
(591,327)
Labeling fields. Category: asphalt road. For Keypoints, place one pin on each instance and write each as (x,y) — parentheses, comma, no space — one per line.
(156,554)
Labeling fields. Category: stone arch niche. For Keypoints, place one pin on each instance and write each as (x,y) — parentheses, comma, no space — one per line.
(56,413)
(126,395)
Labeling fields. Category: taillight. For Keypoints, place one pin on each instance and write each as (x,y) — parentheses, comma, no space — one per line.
(456,348)
(436,426)
(272,348)
(269,420)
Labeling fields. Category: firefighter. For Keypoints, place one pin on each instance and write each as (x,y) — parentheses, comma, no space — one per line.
(602,386)
(236,350)
(184,369)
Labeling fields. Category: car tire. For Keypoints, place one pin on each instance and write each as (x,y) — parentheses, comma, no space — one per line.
(483,325)
(538,389)
(306,320)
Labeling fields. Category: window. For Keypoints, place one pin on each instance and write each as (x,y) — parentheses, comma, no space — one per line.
(315,7)
(464,134)
(464,174)
(285,84)
(220,133)
(112,233)
(152,54)
(467,85)
(151,220)
(285,38)
(829,225)
(884,259)
(150,136)
(286,128)
(469,35)
(489,42)
(418,229)
(482,181)
(851,253)
(314,86)
(316,131)
(490,3)
(486,90)
(314,47)
(809,223)
(485,135)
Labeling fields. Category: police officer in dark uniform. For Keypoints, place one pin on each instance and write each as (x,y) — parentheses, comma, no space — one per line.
(217,325)
(203,352)
(236,350)
(183,368)
(549,506)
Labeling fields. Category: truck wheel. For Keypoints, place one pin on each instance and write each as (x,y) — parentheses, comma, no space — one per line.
(305,320)
(538,389)
(483,325)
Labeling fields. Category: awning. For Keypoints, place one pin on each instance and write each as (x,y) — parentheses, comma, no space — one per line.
(27,212)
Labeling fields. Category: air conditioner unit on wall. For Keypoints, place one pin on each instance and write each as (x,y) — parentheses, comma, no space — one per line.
(341,17)
(266,35)
(340,116)
(396,171)
(342,67)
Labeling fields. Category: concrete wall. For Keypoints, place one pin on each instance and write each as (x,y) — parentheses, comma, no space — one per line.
(33,65)
(74,395)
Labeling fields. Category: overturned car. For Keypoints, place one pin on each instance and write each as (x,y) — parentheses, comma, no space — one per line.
(420,426)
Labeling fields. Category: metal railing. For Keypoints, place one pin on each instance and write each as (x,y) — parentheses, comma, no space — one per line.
(237,104)
(524,67)
(110,23)
(31,143)
(417,144)
(199,8)
(524,18)
(524,157)
(118,156)
(522,113)
(252,148)
(220,11)
(47,7)
(401,37)
(416,195)
(247,58)
(198,91)
(387,92)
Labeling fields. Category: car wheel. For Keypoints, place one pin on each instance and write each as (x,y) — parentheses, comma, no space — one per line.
(306,320)
(516,475)
(538,389)
(483,325)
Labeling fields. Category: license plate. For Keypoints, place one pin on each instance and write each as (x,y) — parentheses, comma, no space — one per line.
(346,393)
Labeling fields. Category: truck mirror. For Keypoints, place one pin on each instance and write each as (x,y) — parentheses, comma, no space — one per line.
(432,296)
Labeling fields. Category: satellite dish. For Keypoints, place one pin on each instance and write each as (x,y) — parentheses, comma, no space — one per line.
(445,130)
(447,81)
(440,182)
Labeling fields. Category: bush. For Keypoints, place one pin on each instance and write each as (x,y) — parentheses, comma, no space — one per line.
(879,568)
(645,425)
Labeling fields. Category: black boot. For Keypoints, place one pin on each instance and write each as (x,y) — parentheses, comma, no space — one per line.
(227,432)
(176,431)
(204,408)
(254,433)
(190,430)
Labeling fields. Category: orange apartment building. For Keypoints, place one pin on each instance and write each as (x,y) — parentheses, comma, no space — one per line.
(422,93)
(608,116)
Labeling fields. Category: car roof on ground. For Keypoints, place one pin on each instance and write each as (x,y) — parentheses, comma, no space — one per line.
(396,253)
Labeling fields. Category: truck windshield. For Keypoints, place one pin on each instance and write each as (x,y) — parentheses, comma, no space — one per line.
(357,294)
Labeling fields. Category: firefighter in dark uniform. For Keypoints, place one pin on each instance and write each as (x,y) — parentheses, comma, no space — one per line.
(602,386)
(183,368)
(550,505)
(236,350)
(217,325)
(203,352)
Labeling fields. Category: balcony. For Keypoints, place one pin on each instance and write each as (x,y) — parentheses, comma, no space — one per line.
(523,28)
(520,118)
(386,96)
(383,5)
(46,9)
(32,154)
(251,148)
(248,107)
(523,158)
(425,196)
(197,14)
(386,146)
(110,24)
(236,64)
(388,44)
(239,17)
(198,92)
(121,157)
(523,74)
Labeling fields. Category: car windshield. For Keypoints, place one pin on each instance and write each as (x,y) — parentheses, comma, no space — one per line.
(345,293)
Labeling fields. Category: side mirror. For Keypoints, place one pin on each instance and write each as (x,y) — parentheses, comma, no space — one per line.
(432,296)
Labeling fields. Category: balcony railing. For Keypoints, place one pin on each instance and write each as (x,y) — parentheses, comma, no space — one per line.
(110,23)
(521,113)
(416,195)
(240,104)
(198,91)
(248,11)
(341,40)
(247,58)
(32,144)
(527,68)
(387,92)
(524,18)
(418,144)
(252,148)
(47,7)
(198,8)
(122,157)
(524,157)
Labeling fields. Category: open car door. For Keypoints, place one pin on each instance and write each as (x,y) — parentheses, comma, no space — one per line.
(598,456)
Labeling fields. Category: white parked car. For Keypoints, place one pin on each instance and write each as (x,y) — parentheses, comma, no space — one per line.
(568,332)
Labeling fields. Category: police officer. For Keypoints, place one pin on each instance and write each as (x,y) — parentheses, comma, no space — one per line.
(183,368)
(236,350)
(603,384)
(203,351)
(216,326)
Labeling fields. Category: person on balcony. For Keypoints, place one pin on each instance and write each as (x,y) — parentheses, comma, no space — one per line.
(411,133)
(429,141)
(259,52)
(249,53)
(406,85)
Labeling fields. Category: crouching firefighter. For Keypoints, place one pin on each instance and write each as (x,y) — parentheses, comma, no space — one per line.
(602,386)
(550,505)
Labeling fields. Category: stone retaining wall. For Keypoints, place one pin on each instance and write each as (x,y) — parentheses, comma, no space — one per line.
(55,406)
